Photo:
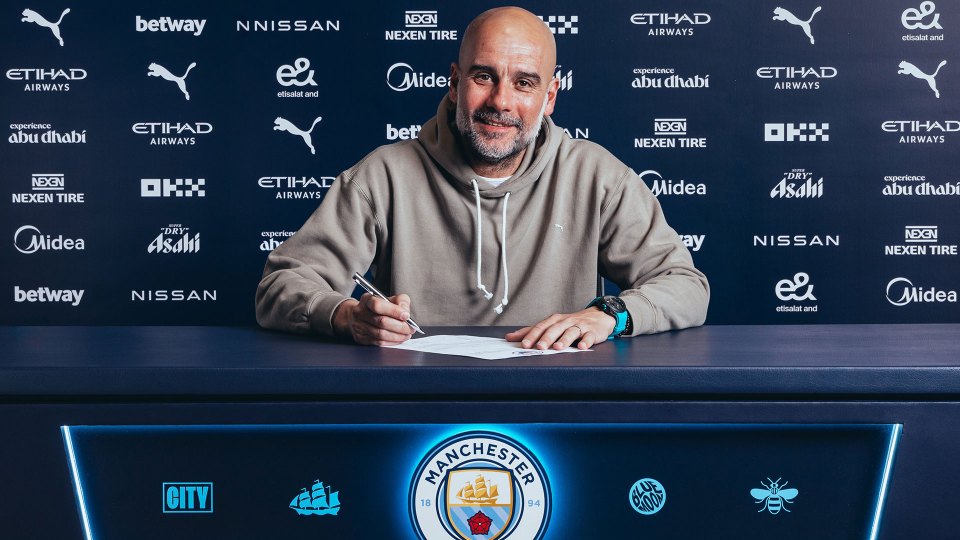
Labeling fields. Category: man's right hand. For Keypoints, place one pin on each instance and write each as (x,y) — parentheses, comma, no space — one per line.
(374,321)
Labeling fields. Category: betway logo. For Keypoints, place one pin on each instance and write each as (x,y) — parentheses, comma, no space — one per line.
(45,294)
(168,24)
(404,133)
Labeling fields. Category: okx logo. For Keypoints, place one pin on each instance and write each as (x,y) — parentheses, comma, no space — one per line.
(188,497)
(480,484)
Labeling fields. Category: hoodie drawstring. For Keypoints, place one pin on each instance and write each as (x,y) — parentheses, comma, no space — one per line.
(503,251)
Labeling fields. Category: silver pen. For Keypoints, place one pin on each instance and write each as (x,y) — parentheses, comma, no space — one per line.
(367,286)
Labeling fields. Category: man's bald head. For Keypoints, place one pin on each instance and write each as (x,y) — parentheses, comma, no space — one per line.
(514,22)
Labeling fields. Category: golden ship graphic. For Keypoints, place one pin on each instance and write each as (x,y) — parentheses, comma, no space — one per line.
(478,493)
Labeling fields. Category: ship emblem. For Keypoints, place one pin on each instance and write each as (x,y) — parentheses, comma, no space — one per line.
(480,485)
(475,505)
(319,500)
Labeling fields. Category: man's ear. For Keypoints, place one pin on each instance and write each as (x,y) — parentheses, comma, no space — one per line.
(454,81)
(551,96)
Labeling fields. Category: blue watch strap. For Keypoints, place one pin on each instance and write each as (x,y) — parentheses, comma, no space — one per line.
(621,317)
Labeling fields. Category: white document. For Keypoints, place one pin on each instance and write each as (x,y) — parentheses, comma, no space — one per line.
(475,346)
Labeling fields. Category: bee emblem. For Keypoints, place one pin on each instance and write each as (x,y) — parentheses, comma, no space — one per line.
(773,496)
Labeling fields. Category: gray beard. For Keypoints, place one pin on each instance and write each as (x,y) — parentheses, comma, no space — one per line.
(489,153)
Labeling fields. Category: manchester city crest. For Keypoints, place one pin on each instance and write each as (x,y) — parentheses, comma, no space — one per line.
(480,485)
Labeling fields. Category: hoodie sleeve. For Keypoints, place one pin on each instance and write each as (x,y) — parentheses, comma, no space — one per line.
(309,275)
(646,259)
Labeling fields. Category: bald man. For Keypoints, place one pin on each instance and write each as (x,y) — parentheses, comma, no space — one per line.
(493,216)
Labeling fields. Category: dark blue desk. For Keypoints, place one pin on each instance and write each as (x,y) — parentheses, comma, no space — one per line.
(849,374)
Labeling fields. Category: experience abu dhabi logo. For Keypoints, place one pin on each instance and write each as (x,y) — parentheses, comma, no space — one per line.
(480,484)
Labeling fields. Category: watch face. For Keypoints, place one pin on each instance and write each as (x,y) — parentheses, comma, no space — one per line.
(615,304)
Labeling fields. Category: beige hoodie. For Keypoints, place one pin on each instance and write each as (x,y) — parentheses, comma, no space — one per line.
(408,211)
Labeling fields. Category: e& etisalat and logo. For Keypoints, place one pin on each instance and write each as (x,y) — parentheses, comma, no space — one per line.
(901,291)
(799,292)
(49,188)
(156,70)
(783,14)
(561,24)
(175,238)
(173,133)
(923,21)
(31,16)
(296,187)
(34,133)
(271,243)
(288,25)
(48,295)
(402,77)
(920,240)
(298,75)
(796,78)
(670,24)
(172,187)
(796,240)
(917,185)
(169,24)
(670,133)
(666,186)
(796,132)
(29,240)
(420,25)
(282,124)
(480,484)
(46,80)
(668,78)
(798,184)
(921,131)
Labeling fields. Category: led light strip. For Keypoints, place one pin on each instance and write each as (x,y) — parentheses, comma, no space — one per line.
(72,457)
(882,496)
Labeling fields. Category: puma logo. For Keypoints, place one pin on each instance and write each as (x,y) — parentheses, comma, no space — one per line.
(282,124)
(30,15)
(156,70)
(906,68)
(781,14)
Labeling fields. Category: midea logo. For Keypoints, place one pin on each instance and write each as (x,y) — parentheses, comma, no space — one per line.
(401,77)
(909,293)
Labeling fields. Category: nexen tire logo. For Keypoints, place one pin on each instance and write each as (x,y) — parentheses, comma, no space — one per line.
(401,77)
(908,293)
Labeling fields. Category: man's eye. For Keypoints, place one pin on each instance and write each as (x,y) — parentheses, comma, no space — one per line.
(523,83)
(482,77)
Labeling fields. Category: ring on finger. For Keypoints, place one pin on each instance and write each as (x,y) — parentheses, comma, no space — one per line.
(580,330)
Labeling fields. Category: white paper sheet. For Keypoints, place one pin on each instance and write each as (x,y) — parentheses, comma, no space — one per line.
(475,346)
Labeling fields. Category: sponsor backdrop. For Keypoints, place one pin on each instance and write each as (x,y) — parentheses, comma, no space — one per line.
(155,152)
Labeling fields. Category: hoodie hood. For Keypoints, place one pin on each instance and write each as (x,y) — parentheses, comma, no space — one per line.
(441,140)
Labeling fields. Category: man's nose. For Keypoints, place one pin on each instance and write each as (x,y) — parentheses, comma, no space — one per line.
(501,97)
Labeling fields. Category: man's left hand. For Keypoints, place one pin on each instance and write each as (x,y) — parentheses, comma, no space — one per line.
(590,326)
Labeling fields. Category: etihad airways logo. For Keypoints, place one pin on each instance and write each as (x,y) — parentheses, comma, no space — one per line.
(796,78)
(296,187)
(401,77)
(662,186)
(46,80)
(901,291)
(169,24)
(670,24)
(172,133)
(921,131)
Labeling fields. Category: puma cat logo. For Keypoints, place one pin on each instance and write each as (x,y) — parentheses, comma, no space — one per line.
(30,15)
(906,68)
(781,14)
(156,70)
(282,124)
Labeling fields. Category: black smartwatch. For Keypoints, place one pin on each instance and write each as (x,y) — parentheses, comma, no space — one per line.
(613,306)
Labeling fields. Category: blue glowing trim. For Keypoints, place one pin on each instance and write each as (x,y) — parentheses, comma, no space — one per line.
(887,467)
(72,458)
